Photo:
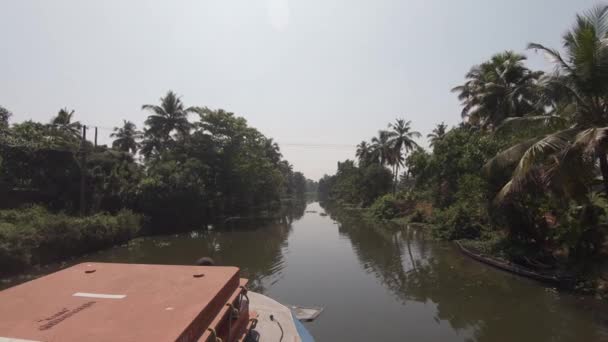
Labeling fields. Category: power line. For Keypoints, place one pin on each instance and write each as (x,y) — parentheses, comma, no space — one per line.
(318,145)
(304,145)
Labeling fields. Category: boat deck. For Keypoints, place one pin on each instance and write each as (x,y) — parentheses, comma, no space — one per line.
(98,302)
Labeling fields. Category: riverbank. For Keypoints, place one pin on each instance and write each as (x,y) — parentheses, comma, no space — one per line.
(586,277)
(34,236)
(589,277)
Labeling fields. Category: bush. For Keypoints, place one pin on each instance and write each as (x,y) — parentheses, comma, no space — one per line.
(385,207)
(457,222)
(16,245)
(582,228)
(35,236)
(418,216)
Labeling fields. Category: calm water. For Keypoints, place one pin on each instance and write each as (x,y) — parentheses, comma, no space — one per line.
(376,283)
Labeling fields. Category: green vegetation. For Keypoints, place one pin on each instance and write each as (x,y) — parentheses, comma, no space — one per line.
(178,173)
(31,236)
(526,172)
(385,207)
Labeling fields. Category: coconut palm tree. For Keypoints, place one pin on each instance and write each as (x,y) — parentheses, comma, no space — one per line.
(63,122)
(566,159)
(5,115)
(126,137)
(437,134)
(364,153)
(381,148)
(497,89)
(169,117)
(273,151)
(401,140)
(166,119)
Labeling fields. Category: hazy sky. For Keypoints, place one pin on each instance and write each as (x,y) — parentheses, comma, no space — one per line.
(304,72)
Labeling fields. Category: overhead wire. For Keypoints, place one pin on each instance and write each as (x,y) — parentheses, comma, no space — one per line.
(299,145)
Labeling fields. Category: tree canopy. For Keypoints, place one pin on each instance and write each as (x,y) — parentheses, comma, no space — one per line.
(192,171)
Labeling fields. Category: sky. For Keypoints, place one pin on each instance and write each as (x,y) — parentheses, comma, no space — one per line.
(318,76)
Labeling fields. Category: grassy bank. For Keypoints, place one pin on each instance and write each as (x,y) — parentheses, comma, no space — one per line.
(34,236)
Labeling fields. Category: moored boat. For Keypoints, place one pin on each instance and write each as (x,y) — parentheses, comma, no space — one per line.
(131,302)
(542,276)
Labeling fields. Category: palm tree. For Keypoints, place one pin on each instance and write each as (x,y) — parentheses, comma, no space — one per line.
(566,158)
(5,115)
(169,117)
(273,150)
(437,134)
(63,121)
(497,89)
(401,140)
(381,148)
(364,153)
(126,137)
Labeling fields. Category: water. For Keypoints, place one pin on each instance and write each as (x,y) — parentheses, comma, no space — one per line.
(377,283)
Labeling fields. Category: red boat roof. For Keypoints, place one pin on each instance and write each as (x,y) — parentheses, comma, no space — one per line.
(97,302)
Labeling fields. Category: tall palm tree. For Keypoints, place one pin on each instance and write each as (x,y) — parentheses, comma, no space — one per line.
(364,153)
(63,122)
(566,158)
(497,89)
(402,140)
(126,137)
(169,117)
(437,134)
(381,148)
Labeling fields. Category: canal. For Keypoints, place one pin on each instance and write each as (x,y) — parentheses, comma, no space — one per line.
(376,283)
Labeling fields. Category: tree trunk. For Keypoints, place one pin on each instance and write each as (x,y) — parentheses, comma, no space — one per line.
(409,250)
(604,170)
(395,181)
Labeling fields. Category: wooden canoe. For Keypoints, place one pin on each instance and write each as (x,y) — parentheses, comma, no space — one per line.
(549,278)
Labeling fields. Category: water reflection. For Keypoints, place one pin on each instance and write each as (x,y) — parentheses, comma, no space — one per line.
(488,304)
(254,245)
(376,282)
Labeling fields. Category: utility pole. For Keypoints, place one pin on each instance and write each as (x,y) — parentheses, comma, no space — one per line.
(83,170)
(95,136)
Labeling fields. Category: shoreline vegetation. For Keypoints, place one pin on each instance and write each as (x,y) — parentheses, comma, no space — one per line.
(34,236)
(494,249)
(63,195)
(523,178)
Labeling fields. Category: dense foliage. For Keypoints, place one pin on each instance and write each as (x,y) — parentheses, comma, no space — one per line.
(526,169)
(178,172)
(357,185)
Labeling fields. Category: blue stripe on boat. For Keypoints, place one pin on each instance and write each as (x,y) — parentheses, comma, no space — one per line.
(302,331)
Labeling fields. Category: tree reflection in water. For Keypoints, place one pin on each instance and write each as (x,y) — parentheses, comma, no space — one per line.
(254,245)
(464,298)
(493,305)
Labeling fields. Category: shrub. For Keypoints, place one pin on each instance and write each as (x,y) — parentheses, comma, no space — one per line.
(418,216)
(582,228)
(16,245)
(421,213)
(35,236)
(385,207)
(457,222)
